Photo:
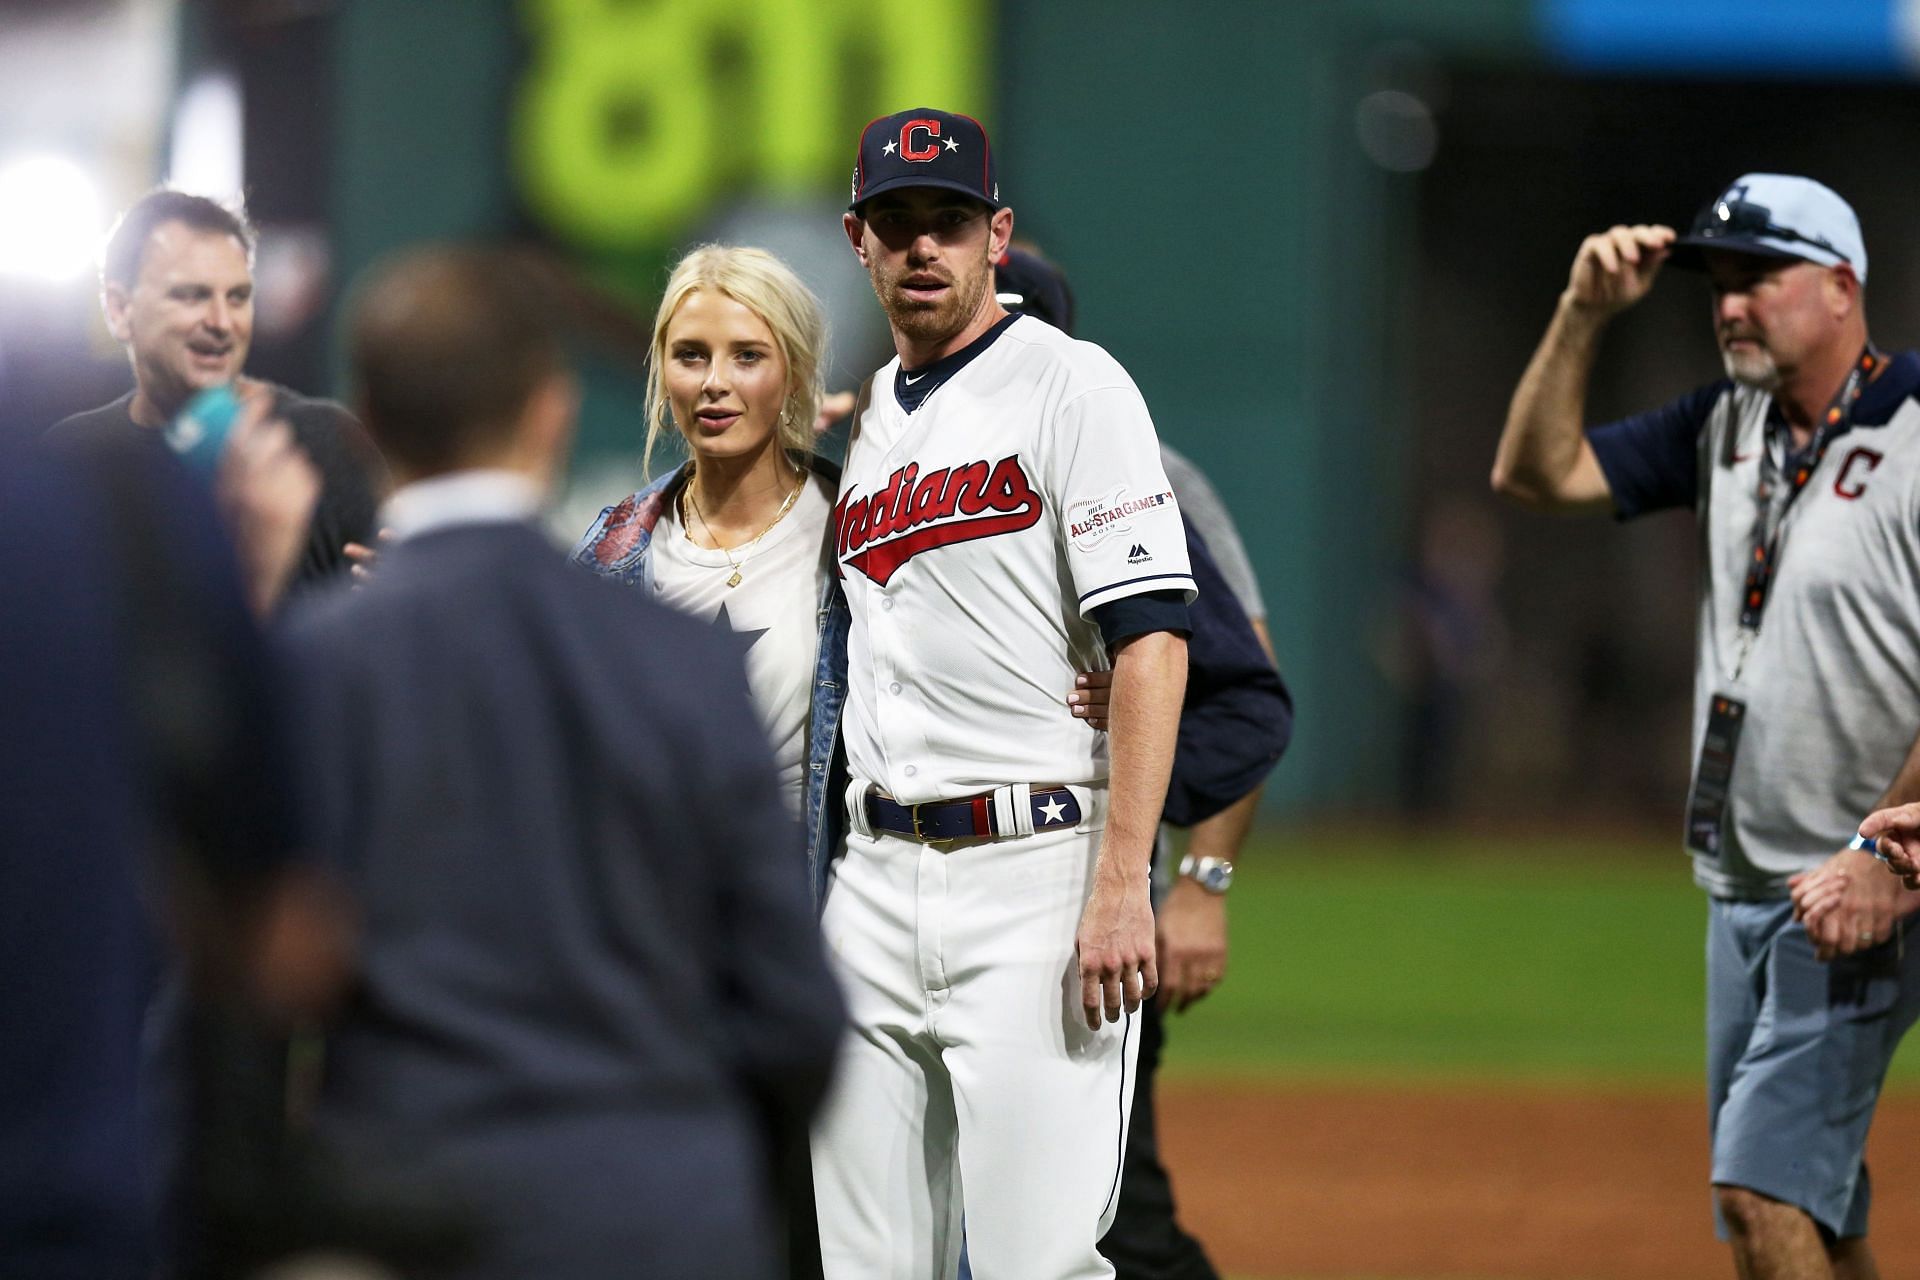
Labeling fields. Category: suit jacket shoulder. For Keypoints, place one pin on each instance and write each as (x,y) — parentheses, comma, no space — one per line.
(507,585)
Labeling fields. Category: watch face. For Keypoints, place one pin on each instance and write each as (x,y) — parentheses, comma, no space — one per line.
(1213,874)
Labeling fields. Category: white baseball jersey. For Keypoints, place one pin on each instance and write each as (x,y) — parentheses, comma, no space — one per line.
(974,537)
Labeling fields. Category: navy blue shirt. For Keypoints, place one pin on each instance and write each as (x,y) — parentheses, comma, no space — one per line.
(1237,717)
(128,688)
(74,945)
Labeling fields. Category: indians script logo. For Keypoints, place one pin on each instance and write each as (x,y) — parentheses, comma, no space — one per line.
(914,513)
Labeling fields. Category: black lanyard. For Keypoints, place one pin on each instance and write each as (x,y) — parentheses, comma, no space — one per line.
(1764,562)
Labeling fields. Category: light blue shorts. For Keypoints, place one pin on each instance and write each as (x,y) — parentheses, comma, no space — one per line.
(1796,1053)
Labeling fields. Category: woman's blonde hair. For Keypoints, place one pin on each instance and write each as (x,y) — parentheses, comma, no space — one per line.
(767,287)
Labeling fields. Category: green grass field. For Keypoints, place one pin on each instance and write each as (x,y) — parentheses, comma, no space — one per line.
(1451,960)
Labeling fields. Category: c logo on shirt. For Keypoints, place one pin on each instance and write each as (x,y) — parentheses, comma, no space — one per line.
(1844,484)
(882,531)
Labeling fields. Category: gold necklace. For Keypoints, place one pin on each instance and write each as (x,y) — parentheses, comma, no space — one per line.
(687,502)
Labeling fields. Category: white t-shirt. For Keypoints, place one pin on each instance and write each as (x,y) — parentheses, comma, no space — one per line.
(773,608)
(975,536)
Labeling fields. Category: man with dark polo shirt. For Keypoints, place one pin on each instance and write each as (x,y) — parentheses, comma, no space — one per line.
(177,289)
(1802,469)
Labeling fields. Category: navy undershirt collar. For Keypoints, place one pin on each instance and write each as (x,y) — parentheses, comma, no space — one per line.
(1881,398)
(911,387)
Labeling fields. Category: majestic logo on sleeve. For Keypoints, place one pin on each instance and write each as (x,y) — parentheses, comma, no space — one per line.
(911,513)
(1093,521)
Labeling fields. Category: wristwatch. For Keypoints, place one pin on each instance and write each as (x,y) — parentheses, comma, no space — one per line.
(1215,875)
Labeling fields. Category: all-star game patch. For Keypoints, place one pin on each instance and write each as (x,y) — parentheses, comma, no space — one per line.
(1093,521)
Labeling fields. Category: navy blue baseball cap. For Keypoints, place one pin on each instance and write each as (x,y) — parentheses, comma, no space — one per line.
(924,148)
(1027,282)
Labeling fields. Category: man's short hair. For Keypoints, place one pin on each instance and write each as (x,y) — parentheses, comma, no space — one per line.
(448,343)
(127,242)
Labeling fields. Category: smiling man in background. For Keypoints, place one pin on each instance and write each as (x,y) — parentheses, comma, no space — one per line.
(177,289)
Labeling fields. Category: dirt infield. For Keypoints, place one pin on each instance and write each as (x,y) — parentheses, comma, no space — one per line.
(1529,1185)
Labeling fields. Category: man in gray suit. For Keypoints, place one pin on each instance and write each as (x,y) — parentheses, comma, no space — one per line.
(591,979)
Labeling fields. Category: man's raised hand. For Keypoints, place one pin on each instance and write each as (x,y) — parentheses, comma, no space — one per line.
(1616,268)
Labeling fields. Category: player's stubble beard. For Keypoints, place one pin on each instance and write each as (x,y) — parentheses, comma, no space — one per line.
(936,322)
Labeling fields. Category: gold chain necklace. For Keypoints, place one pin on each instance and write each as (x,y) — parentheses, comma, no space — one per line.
(687,503)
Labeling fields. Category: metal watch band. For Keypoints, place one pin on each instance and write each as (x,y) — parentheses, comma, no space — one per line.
(1215,875)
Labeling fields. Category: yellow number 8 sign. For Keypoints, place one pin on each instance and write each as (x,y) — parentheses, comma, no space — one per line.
(634,117)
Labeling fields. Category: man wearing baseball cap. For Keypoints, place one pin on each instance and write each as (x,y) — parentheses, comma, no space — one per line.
(1802,469)
(1003,523)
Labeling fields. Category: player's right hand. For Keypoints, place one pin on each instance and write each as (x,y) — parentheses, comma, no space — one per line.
(1616,268)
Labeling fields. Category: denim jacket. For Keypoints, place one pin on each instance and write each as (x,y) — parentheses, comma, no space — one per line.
(616,546)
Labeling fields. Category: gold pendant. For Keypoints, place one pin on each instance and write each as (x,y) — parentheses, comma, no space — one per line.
(734,581)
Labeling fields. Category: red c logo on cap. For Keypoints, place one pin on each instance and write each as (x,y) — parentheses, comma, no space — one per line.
(917,154)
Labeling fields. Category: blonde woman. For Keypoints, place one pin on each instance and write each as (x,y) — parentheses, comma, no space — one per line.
(738,533)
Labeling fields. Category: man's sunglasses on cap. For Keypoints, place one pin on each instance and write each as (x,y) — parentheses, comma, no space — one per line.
(1724,219)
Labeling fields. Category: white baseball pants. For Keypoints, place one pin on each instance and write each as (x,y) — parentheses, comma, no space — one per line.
(969,1065)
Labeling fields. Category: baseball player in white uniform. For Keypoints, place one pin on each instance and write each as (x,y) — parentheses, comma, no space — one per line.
(1003,522)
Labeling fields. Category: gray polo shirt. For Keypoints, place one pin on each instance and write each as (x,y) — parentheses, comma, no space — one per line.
(1831,680)
(1201,505)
